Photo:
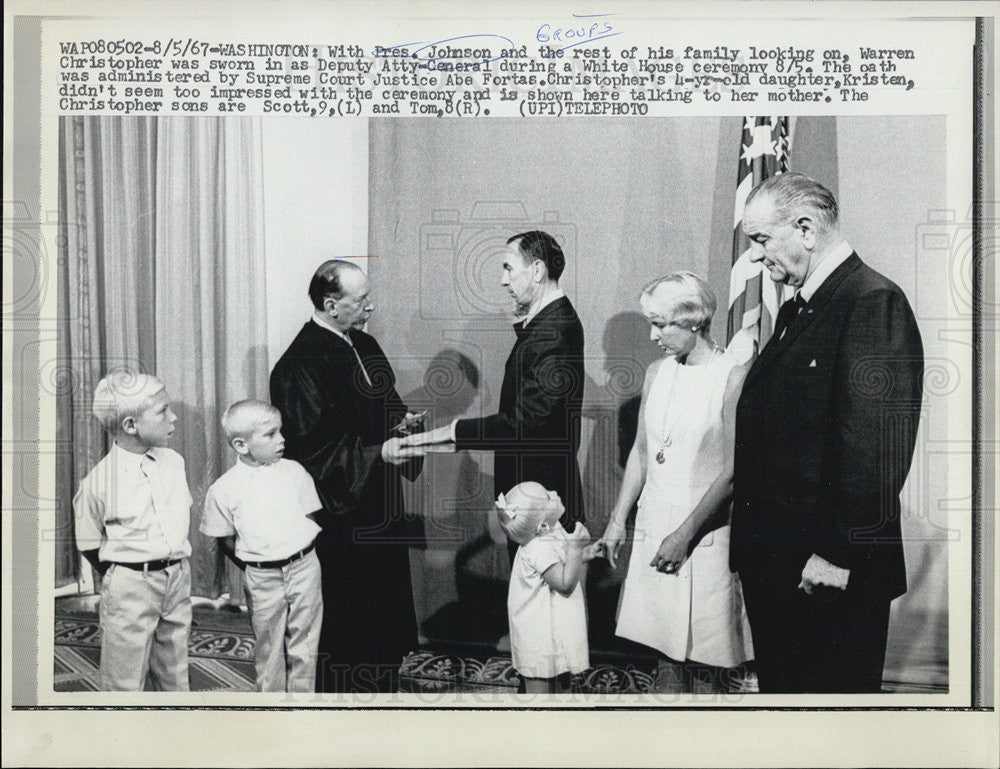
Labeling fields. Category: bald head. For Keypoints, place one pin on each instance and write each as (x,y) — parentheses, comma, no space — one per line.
(340,292)
(328,280)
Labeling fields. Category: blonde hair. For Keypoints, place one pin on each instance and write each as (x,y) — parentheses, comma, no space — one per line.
(693,302)
(243,417)
(524,508)
(123,393)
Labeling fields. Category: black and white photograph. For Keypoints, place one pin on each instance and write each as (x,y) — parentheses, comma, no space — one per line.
(584,409)
(618,245)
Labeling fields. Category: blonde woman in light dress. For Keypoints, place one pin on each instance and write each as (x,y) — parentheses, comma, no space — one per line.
(679,596)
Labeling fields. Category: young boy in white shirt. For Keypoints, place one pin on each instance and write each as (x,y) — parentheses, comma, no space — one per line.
(262,511)
(132,513)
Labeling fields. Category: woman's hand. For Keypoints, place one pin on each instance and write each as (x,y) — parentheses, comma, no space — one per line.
(610,543)
(672,553)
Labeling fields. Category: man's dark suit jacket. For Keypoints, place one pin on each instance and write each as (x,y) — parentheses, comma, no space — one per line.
(536,430)
(825,432)
(334,424)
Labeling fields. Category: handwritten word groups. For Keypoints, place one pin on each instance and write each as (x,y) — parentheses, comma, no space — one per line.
(583,29)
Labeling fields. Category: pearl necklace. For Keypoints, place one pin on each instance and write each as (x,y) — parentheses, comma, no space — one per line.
(667,442)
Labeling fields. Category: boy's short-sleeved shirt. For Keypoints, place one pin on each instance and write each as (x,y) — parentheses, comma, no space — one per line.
(265,507)
(548,630)
(135,507)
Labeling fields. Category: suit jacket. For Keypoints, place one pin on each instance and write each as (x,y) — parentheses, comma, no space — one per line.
(334,424)
(825,431)
(536,430)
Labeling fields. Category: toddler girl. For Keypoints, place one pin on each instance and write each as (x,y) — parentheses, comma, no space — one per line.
(548,620)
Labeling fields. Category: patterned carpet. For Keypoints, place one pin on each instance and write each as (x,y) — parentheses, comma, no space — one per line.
(429,671)
(222,648)
(221,659)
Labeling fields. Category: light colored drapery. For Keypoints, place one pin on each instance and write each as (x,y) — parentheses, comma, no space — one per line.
(106,255)
(210,299)
(162,270)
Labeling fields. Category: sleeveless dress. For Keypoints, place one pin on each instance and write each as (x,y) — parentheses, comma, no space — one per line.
(697,613)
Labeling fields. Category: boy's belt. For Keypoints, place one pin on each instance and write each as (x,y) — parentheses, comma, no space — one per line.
(284,561)
(148,565)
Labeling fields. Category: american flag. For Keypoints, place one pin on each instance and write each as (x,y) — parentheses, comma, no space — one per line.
(753,298)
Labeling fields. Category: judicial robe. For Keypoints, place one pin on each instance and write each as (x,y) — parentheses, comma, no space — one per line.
(334,424)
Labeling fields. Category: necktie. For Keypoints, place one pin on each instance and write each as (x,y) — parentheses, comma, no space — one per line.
(789,311)
(800,305)
(354,349)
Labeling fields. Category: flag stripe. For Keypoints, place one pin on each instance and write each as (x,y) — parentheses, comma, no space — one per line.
(753,298)
(742,191)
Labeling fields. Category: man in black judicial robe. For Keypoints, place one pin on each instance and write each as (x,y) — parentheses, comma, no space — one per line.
(535,433)
(825,432)
(338,401)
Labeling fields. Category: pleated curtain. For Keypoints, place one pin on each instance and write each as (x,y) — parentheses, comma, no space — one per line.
(162,270)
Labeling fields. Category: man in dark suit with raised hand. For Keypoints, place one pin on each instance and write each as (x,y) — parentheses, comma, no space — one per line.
(337,395)
(535,432)
(825,432)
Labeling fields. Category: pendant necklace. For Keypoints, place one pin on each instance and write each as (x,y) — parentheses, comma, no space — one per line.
(666,443)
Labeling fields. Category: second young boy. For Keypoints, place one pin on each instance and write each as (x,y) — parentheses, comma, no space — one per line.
(262,512)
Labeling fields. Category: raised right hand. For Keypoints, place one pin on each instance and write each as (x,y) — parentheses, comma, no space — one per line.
(439,435)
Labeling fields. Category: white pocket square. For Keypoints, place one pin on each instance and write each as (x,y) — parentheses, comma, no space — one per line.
(813,364)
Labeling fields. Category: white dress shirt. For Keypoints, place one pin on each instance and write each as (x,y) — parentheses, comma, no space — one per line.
(135,507)
(836,257)
(546,300)
(323,324)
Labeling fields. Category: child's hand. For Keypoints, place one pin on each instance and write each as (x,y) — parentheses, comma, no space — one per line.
(579,537)
(592,551)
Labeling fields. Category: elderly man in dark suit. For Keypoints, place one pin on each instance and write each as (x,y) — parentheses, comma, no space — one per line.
(825,433)
(337,396)
(536,430)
